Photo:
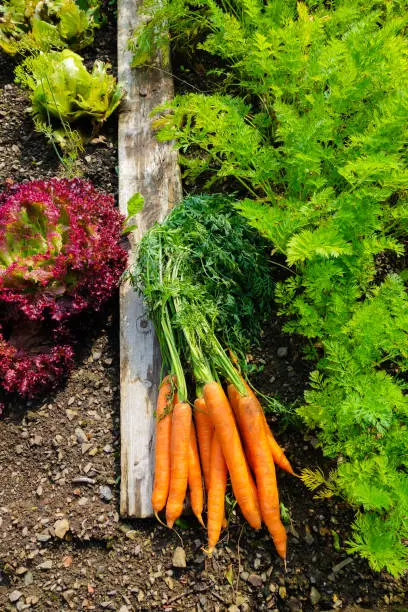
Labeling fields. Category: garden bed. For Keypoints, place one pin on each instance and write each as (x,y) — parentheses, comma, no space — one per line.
(59,459)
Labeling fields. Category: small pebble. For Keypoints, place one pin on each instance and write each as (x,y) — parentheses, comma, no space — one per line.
(15,596)
(169,582)
(45,565)
(282,351)
(105,493)
(255,580)
(61,527)
(32,600)
(68,595)
(44,536)
(179,557)
(81,436)
(342,564)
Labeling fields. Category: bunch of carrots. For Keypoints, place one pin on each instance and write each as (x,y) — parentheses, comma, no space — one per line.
(233,437)
(226,432)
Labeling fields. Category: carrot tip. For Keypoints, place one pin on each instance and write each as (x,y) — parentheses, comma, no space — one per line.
(159,519)
(170,524)
(200,520)
(208,551)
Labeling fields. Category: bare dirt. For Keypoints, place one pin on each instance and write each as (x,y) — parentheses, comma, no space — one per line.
(63,545)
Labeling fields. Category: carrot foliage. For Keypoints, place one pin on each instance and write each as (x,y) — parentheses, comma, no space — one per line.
(207,284)
(310,119)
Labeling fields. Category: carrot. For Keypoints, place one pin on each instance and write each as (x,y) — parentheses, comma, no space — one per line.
(252,426)
(216,494)
(223,420)
(179,455)
(251,483)
(278,454)
(204,436)
(195,480)
(162,452)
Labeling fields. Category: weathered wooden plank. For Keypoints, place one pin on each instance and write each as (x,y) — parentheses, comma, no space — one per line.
(150,168)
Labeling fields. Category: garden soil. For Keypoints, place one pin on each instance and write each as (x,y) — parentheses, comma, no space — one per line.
(63,545)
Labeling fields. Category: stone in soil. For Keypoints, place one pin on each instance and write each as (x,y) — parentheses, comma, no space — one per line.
(15,596)
(105,493)
(179,557)
(61,527)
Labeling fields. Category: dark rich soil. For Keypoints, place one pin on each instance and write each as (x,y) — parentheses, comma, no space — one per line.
(59,461)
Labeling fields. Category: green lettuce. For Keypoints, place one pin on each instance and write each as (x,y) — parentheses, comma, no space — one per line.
(28,25)
(65,96)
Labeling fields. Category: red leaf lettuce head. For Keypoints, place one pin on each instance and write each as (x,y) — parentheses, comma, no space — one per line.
(60,254)
(60,249)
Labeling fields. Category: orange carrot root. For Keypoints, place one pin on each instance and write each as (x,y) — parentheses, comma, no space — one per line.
(204,437)
(162,451)
(277,452)
(179,460)
(195,479)
(226,429)
(216,494)
(252,427)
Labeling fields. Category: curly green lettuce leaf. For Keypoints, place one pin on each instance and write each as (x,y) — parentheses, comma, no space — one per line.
(65,94)
(33,25)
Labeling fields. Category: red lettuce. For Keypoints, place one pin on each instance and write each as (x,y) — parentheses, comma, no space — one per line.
(60,254)
(29,370)
(60,247)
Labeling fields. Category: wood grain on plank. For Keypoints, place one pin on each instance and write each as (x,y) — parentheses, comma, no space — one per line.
(151,168)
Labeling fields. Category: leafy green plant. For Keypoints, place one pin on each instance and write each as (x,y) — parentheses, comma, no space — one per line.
(32,25)
(68,103)
(312,122)
(60,255)
(221,266)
